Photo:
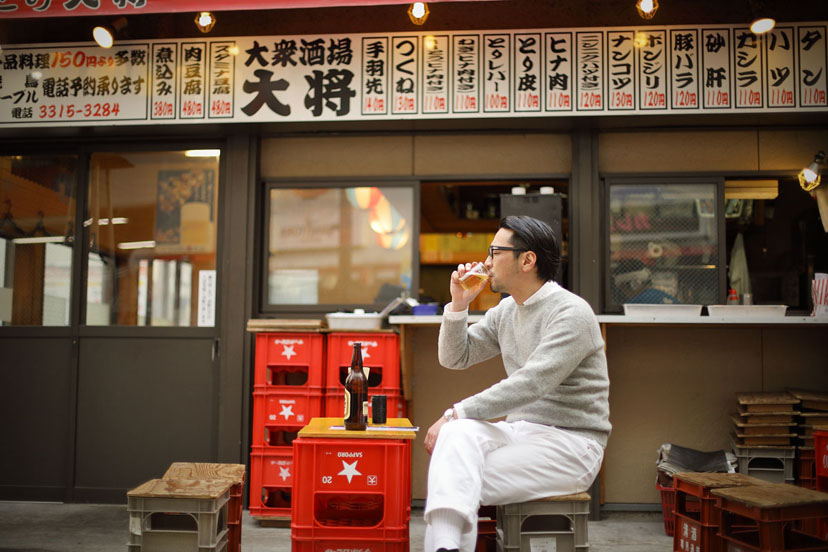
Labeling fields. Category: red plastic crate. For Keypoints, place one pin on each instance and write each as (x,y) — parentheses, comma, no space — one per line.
(351,489)
(274,436)
(299,544)
(805,468)
(668,503)
(692,535)
(694,501)
(380,355)
(234,537)
(285,408)
(821,453)
(290,359)
(270,501)
(396,406)
(271,466)
(760,527)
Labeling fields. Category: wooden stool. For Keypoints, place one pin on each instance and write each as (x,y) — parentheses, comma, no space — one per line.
(762,517)
(231,472)
(697,518)
(559,522)
(184,515)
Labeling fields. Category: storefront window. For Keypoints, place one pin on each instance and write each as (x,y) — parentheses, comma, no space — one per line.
(152,229)
(663,244)
(339,246)
(776,242)
(37,221)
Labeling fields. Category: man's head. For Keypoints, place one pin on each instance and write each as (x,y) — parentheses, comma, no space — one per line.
(534,235)
(523,246)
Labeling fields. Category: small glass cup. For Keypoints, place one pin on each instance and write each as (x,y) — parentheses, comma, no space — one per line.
(474,277)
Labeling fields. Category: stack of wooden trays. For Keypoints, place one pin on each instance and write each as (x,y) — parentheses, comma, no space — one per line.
(766,419)
(813,415)
(813,412)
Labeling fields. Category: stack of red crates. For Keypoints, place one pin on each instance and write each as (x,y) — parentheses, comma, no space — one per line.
(352,494)
(287,393)
(821,473)
(381,361)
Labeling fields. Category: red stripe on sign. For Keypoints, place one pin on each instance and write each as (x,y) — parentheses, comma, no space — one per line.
(74,8)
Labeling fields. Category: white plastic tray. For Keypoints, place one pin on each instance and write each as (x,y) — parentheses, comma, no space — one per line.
(746,311)
(354,321)
(654,309)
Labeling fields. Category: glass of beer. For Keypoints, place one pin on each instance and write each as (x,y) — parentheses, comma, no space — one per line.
(474,277)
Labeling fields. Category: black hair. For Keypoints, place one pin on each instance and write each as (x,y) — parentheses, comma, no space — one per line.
(531,234)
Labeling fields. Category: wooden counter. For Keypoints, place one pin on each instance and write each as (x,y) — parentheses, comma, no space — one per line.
(324,427)
(671,381)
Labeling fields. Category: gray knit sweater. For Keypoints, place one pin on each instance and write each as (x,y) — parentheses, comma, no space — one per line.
(554,358)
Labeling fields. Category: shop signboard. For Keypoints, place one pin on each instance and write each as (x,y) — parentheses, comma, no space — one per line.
(396,76)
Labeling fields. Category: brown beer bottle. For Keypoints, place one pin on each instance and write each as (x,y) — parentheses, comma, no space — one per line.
(356,393)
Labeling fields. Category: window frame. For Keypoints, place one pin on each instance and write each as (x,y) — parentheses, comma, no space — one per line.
(263,232)
(608,181)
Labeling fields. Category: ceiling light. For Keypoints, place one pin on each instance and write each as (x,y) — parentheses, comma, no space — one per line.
(234,50)
(104,35)
(203,153)
(205,21)
(646,8)
(762,25)
(418,12)
(760,15)
(810,177)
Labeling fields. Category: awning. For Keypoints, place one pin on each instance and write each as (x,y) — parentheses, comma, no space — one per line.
(75,8)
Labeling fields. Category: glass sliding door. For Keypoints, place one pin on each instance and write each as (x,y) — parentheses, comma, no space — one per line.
(152,228)
(37,220)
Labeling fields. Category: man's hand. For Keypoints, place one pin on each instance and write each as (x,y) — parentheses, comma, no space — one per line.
(431,436)
(461,297)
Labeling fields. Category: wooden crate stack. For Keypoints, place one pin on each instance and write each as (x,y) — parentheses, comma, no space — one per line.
(764,440)
(813,414)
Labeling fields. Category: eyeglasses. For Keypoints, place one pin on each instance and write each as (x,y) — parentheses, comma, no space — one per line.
(494,248)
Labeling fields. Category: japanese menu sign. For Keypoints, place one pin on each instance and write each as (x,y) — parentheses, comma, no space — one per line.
(526,73)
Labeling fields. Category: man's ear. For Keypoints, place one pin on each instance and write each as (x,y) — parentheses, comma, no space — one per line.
(528,261)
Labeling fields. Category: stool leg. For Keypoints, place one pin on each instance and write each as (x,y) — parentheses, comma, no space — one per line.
(772,536)
(580,526)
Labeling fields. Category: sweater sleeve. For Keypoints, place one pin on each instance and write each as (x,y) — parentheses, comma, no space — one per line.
(460,345)
(567,339)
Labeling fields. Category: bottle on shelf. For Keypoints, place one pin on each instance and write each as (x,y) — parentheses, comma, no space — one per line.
(356,393)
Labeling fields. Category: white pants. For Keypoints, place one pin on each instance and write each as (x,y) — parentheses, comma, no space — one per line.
(478,463)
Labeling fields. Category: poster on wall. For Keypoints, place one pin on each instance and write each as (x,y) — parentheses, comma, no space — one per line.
(396,76)
(185,211)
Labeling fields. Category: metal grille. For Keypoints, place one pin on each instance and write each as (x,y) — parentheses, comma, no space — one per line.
(663,244)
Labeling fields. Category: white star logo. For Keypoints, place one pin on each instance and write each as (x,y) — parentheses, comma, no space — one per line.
(365,353)
(284,473)
(349,470)
(287,411)
(288,351)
